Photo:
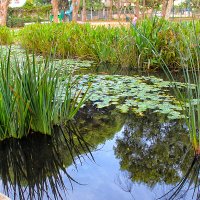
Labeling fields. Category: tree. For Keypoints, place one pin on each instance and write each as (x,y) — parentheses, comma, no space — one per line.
(55,10)
(169,8)
(84,17)
(166,8)
(137,8)
(75,4)
(3,11)
(110,10)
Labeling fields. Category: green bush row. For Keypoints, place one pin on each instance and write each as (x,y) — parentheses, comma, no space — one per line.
(28,13)
(120,46)
(20,22)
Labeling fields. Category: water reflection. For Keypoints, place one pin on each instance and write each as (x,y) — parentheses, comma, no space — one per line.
(149,150)
(34,167)
(153,151)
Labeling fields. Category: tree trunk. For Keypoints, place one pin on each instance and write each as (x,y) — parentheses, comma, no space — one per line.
(110,10)
(3,11)
(143,9)
(137,8)
(84,17)
(169,8)
(164,7)
(55,10)
(75,4)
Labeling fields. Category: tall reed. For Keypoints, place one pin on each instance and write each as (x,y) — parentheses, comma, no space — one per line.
(33,97)
(188,49)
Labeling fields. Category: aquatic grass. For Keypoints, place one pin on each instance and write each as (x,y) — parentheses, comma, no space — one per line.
(120,46)
(33,98)
(6,36)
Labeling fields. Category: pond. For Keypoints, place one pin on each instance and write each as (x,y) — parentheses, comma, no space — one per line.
(128,142)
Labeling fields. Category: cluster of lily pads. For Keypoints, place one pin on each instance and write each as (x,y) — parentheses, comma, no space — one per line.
(132,93)
(65,65)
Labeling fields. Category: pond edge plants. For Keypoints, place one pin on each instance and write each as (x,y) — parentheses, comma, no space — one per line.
(33,96)
(190,102)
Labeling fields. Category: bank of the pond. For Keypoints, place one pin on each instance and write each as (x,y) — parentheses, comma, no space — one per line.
(142,47)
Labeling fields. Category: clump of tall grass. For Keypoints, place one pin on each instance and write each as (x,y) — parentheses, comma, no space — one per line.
(115,45)
(33,97)
(99,44)
(6,36)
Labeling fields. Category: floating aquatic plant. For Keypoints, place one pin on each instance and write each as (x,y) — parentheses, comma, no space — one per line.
(137,94)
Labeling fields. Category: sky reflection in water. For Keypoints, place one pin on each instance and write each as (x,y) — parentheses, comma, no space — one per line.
(100,179)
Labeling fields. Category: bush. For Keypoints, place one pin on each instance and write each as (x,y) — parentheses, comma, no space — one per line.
(20,22)
(28,13)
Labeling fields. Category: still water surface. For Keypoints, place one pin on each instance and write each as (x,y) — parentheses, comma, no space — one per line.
(134,158)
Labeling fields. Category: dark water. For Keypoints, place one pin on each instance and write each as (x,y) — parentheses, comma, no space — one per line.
(131,158)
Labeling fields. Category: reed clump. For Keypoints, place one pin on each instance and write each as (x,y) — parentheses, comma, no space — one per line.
(188,50)
(34,96)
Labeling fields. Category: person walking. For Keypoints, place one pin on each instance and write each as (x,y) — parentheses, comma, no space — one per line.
(134,21)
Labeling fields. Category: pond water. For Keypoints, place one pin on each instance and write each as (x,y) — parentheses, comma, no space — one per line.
(104,154)
(133,158)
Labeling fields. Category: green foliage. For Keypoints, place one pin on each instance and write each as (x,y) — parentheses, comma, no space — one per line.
(186,43)
(6,36)
(28,13)
(33,98)
(114,45)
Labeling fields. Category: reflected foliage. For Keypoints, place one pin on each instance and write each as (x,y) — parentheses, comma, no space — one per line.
(152,150)
(99,125)
(35,167)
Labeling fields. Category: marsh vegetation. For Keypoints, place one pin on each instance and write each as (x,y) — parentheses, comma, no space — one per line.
(52,80)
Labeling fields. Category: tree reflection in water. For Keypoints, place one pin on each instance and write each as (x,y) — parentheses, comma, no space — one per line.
(154,151)
(33,166)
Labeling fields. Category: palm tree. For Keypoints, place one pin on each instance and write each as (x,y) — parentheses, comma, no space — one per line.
(110,10)
(75,4)
(3,11)
(137,8)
